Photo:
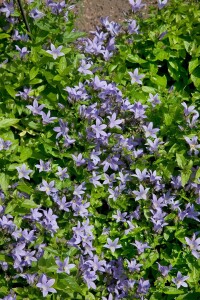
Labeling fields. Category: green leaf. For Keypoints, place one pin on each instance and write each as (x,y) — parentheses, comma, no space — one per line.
(25,153)
(172,291)
(185,176)
(193,64)
(8,122)
(62,65)
(148,89)
(135,59)
(181,161)
(153,256)
(4,181)
(28,203)
(10,91)
(160,81)
(24,187)
(189,296)
(33,72)
(4,36)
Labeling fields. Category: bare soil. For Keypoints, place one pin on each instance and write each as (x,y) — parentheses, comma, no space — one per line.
(89,12)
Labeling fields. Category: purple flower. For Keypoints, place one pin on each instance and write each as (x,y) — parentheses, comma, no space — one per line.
(84,67)
(35,108)
(43,166)
(153,145)
(114,122)
(141,194)
(133,265)
(154,99)
(8,8)
(143,286)
(18,252)
(179,280)
(64,266)
(194,245)
(132,27)
(79,160)
(96,264)
(95,179)
(48,187)
(120,217)
(135,77)
(62,173)
(46,119)
(22,52)
(98,84)
(164,270)
(62,129)
(141,175)
(55,52)
(136,5)
(193,144)
(25,93)
(188,109)
(23,172)
(98,129)
(112,245)
(45,285)
(162,3)
(150,131)
(36,14)
(140,246)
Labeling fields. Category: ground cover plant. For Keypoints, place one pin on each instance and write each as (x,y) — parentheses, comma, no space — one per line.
(99,160)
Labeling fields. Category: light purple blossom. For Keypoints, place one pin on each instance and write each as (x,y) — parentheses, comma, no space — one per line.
(36,14)
(48,187)
(164,270)
(136,5)
(23,172)
(193,143)
(84,67)
(8,8)
(36,108)
(150,131)
(141,194)
(135,77)
(162,3)
(46,118)
(64,267)
(112,245)
(114,122)
(132,27)
(46,285)
(140,246)
(98,129)
(180,280)
(22,52)
(55,52)
(43,166)
(194,245)
(154,100)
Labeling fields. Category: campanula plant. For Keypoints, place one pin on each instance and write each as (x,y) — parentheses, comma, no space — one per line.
(99,152)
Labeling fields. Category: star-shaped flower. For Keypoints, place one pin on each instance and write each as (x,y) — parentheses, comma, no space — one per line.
(55,52)
(23,172)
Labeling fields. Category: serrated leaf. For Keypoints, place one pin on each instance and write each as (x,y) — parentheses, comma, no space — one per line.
(189,296)
(193,64)
(185,176)
(23,187)
(11,91)
(4,36)
(172,291)
(4,181)
(28,203)
(33,72)
(8,122)
(25,153)
(180,160)
(135,58)
(159,80)
(148,89)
